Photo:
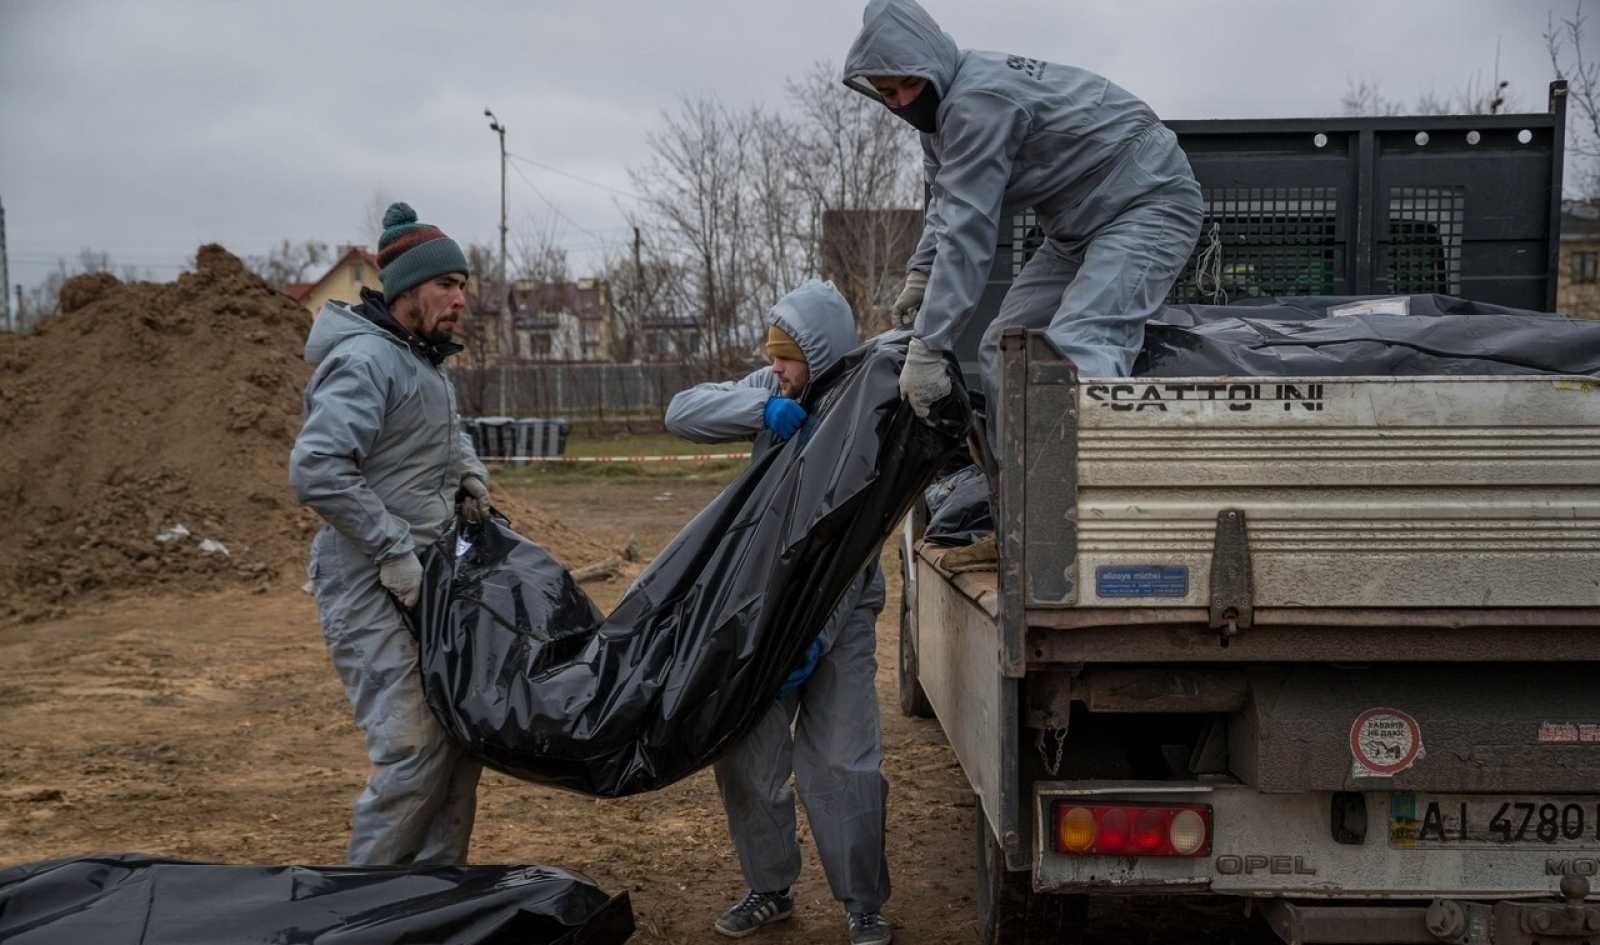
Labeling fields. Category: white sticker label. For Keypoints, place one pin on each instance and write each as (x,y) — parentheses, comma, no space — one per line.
(1384,742)
(1569,732)
(1394,305)
(462,547)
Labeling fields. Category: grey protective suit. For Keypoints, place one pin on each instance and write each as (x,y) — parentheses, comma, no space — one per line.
(380,458)
(835,749)
(1113,191)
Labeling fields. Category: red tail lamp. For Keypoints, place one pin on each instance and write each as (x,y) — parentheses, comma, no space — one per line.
(1181,830)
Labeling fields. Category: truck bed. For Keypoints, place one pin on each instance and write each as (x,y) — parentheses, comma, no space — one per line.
(1199,511)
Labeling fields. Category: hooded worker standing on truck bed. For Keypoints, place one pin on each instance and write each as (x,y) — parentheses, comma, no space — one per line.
(836,750)
(1116,199)
(383,459)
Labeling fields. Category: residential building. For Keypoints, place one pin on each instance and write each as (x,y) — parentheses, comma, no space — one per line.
(669,339)
(550,321)
(1578,272)
(354,270)
(561,321)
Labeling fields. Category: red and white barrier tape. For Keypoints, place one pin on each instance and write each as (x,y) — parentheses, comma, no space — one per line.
(670,458)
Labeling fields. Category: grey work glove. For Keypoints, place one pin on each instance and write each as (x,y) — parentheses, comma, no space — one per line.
(475,504)
(909,300)
(923,379)
(402,576)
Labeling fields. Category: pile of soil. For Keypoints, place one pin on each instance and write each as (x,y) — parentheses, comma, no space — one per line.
(144,407)
(566,544)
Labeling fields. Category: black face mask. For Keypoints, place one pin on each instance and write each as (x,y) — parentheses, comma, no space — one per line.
(923,112)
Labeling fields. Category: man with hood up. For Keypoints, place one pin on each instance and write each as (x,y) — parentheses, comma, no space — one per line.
(1114,193)
(835,751)
(383,459)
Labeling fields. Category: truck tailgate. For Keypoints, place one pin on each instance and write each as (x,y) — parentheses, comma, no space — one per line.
(1364,492)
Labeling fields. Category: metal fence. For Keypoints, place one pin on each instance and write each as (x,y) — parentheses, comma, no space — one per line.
(598,392)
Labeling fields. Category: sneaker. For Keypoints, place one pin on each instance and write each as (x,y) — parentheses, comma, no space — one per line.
(869,928)
(755,911)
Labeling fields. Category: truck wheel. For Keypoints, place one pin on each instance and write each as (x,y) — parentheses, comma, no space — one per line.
(1010,912)
(913,700)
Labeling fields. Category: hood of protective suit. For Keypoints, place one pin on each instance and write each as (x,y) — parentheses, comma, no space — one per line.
(898,37)
(336,322)
(818,318)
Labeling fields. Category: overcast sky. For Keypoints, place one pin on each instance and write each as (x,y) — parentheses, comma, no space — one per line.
(145,129)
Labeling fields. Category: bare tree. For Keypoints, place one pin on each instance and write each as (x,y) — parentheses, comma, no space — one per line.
(695,188)
(372,217)
(93,260)
(1583,99)
(538,255)
(647,289)
(858,167)
(780,217)
(1364,96)
(477,331)
(288,262)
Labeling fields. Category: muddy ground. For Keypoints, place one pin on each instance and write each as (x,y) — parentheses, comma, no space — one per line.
(212,727)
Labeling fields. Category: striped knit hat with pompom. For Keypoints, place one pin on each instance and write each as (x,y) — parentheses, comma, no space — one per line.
(411,253)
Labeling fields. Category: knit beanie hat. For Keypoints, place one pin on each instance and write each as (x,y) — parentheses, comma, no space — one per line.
(780,344)
(411,253)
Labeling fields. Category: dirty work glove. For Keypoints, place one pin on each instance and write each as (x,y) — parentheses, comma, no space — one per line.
(783,416)
(910,297)
(808,664)
(475,504)
(402,576)
(923,379)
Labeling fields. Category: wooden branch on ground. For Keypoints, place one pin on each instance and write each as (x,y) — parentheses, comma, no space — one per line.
(605,570)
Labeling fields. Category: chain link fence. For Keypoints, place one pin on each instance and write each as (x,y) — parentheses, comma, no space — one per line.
(601,393)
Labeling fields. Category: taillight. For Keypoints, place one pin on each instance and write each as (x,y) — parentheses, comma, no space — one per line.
(1133,829)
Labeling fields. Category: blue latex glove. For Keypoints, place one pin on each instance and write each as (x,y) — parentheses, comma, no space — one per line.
(783,416)
(807,664)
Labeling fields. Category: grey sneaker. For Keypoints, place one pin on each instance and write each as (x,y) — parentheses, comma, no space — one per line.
(869,928)
(755,911)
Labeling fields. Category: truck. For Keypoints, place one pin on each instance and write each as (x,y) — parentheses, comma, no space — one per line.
(1326,646)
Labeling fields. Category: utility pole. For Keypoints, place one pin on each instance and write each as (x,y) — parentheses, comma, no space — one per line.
(10,318)
(504,341)
(638,265)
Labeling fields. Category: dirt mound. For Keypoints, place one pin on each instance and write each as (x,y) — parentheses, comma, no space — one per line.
(147,433)
(146,407)
(84,290)
(566,544)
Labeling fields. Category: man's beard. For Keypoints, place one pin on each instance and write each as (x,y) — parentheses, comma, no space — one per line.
(436,335)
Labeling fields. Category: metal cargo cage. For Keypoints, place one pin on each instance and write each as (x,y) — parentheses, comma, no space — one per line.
(1463,205)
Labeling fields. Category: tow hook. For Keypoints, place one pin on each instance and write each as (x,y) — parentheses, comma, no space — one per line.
(1573,919)
(1518,923)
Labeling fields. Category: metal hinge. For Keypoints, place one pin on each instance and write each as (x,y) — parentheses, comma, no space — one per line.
(1232,591)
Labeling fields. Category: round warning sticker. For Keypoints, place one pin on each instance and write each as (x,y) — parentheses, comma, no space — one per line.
(1384,742)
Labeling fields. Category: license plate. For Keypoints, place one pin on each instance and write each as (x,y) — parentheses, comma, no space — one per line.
(1434,821)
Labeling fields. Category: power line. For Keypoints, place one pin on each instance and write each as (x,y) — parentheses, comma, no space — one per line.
(557,210)
(582,180)
(32,261)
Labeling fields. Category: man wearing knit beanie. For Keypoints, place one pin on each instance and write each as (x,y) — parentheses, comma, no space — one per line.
(383,458)
(835,750)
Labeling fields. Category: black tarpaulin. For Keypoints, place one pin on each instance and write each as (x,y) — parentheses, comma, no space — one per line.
(521,670)
(1330,336)
(958,507)
(133,899)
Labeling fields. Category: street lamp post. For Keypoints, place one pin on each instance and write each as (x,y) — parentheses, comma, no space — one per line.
(504,341)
